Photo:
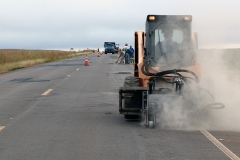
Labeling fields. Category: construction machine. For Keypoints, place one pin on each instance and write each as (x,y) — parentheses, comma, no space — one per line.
(166,71)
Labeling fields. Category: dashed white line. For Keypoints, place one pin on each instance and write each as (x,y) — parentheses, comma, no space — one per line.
(48,91)
(224,149)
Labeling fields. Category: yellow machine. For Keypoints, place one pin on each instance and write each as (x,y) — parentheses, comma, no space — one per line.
(165,69)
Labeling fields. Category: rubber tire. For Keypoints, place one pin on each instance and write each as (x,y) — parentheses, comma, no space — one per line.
(130,81)
(151,124)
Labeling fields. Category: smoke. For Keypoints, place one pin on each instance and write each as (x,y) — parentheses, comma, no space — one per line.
(219,79)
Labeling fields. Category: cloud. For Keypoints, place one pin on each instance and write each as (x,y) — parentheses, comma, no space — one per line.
(88,23)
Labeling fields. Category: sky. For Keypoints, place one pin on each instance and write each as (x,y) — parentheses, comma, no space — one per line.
(79,24)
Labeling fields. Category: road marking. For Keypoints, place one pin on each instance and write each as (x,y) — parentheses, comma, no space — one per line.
(68,75)
(48,91)
(77,69)
(1,127)
(224,149)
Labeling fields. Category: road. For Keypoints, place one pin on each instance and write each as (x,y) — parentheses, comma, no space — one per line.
(65,110)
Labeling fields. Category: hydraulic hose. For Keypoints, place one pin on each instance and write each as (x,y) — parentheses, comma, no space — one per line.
(175,71)
(161,74)
(215,105)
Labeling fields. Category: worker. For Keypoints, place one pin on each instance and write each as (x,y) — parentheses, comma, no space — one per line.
(126,55)
(121,57)
(168,45)
(132,55)
(168,48)
(130,52)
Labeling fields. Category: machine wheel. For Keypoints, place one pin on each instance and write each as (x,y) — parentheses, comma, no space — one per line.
(151,124)
(130,81)
(150,115)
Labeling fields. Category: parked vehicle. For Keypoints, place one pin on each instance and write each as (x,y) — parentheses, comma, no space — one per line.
(109,47)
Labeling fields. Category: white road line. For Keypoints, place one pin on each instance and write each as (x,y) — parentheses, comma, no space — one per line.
(48,91)
(224,149)
(1,127)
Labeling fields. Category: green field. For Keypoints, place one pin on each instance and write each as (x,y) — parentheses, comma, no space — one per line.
(11,59)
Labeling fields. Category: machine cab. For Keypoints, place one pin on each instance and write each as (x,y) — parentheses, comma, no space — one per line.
(169,41)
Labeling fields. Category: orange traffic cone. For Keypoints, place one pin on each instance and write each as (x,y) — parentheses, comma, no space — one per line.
(86,61)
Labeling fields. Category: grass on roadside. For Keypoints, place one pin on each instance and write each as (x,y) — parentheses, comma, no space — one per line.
(11,59)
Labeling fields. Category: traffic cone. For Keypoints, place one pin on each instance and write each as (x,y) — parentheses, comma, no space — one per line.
(98,54)
(86,61)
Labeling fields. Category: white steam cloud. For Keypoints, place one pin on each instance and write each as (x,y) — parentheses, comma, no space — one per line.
(221,79)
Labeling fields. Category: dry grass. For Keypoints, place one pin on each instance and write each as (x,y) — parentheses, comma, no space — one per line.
(11,59)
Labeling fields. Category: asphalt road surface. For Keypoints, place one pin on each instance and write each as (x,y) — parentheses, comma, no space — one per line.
(65,110)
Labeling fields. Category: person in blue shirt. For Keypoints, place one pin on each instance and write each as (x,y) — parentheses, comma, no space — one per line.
(131,50)
(130,55)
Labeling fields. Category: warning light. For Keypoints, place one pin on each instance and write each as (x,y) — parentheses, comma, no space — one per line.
(151,18)
(187,18)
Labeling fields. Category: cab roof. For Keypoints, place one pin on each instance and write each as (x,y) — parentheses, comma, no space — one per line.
(174,18)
